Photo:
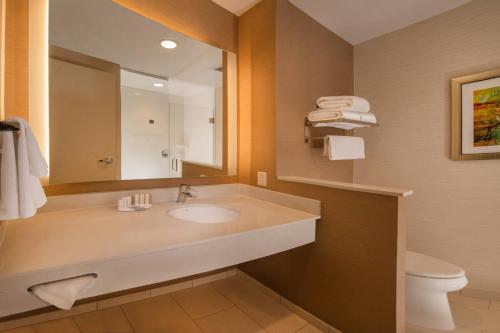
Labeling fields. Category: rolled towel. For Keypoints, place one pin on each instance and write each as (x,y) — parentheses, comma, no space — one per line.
(343,147)
(63,293)
(324,115)
(351,103)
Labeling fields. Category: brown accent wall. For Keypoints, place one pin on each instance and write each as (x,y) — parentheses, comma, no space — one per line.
(311,61)
(201,19)
(352,276)
(16,82)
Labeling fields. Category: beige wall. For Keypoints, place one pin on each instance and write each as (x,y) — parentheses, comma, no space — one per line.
(311,61)
(455,212)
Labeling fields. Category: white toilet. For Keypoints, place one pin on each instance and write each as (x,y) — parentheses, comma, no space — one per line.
(428,280)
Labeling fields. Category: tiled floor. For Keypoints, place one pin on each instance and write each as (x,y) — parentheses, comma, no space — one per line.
(472,315)
(231,305)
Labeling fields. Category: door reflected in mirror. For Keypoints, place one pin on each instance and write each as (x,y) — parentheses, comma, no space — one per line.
(132,99)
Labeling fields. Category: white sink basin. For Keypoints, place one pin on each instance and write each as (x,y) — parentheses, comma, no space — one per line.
(204,214)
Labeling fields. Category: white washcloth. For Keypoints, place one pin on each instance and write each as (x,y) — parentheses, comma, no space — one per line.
(22,163)
(343,147)
(351,103)
(64,293)
(325,115)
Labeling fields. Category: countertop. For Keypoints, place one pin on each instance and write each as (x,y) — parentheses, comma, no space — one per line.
(61,238)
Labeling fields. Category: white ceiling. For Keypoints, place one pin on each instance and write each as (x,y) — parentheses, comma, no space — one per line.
(360,20)
(104,30)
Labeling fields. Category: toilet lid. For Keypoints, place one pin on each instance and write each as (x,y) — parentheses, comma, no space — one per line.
(421,265)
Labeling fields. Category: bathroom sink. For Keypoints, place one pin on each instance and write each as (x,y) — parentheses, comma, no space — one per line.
(204,214)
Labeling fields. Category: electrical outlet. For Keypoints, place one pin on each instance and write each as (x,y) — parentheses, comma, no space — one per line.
(262,178)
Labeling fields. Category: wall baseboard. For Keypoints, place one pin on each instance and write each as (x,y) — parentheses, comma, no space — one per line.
(488,295)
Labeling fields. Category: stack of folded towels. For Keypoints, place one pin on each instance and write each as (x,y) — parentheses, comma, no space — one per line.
(332,110)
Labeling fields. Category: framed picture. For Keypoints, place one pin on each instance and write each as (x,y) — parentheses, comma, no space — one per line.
(476,116)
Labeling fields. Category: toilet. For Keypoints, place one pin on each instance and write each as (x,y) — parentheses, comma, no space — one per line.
(428,281)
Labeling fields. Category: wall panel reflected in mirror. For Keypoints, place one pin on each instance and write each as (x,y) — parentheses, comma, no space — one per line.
(122,106)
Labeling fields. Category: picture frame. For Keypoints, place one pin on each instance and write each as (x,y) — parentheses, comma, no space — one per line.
(475,116)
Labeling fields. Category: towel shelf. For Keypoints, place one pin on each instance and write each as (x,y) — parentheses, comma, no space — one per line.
(308,128)
(8,127)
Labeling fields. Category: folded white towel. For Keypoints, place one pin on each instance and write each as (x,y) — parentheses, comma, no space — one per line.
(64,293)
(343,147)
(324,115)
(340,125)
(368,117)
(351,103)
(22,163)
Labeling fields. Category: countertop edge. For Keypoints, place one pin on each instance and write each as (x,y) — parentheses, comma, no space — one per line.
(395,192)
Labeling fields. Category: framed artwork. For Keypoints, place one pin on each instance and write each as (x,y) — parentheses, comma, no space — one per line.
(476,116)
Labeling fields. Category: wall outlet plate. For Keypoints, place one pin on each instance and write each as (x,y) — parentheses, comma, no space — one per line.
(262,178)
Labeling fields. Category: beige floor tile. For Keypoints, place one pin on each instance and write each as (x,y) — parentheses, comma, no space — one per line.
(171,288)
(475,319)
(229,321)
(159,314)
(66,325)
(469,301)
(268,313)
(123,299)
(201,301)
(415,329)
(111,320)
(495,305)
(48,316)
(265,289)
(209,278)
(309,329)
(311,319)
(20,330)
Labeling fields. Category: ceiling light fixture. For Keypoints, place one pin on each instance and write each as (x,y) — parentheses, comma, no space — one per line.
(168,44)
(159,85)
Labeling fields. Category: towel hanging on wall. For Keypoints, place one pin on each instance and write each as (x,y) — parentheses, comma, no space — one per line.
(338,147)
(21,165)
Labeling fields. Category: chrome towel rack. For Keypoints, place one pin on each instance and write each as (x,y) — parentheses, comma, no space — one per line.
(8,127)
(322,131)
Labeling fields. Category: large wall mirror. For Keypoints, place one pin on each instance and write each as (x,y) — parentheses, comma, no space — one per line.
(132,99)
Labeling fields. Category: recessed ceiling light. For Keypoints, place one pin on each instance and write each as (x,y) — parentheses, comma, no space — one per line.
(159,85)
(168,44)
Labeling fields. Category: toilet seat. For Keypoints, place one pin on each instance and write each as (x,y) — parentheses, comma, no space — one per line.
(418,264)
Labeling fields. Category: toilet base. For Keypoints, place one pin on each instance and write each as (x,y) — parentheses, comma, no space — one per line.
(429,309)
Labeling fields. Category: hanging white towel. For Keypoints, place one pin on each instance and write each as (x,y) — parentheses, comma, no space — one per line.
(22,163)
(351,103)
(338,147)
(64,293)
(9,195)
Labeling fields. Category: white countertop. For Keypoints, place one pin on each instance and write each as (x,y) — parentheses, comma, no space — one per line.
(60,238)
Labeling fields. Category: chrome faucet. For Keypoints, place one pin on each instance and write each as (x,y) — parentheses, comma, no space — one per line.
(184,193)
